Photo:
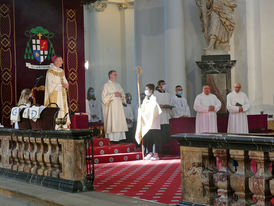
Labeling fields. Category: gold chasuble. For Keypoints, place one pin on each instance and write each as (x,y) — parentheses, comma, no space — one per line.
(55,92)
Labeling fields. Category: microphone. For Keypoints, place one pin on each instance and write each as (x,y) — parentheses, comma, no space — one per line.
(37,80)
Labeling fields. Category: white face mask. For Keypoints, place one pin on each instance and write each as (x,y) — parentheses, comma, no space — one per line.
(164,87)
(147,93)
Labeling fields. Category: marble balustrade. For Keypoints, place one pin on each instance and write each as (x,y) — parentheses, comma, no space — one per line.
(227,169)
(55,157)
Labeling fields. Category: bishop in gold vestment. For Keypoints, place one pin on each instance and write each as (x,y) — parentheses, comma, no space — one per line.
(55,88)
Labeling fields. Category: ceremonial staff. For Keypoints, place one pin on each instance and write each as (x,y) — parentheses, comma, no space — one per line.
(139,72)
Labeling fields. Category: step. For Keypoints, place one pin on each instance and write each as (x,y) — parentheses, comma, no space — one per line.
(120,157)
(100,142)
(114,149)
(18,193)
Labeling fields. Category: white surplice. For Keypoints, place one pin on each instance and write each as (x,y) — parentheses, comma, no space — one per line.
(148,117)
(237,122)
(206,122)
(181,107)
(164,99)
(94,108)
(115,124)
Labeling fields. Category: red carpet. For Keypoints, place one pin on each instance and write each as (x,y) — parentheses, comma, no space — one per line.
(158,181)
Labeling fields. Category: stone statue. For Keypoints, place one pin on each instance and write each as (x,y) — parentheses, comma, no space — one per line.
(218,24)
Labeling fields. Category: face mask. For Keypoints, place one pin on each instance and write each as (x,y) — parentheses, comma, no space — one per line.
(164,87)
(91,93)
(147,93)
(128,100)
(180,93)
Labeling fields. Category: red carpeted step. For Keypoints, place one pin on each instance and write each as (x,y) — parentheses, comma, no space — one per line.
(99,142)
(114,149)
(117,157)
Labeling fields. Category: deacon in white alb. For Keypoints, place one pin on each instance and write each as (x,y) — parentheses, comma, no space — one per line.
(206,105)
(237,105)
(113,97)
(179,102)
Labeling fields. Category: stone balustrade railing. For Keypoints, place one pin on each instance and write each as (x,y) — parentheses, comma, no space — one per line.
(227,169)
(55,159)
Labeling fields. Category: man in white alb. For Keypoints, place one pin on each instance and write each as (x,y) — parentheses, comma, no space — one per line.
(163,99)
(113,97)
(181,108)
(206,105)
(237,105)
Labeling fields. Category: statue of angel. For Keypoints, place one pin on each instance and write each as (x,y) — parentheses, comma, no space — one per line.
(218,24)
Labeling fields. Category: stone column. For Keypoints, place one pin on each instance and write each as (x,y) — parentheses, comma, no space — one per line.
(222,178)
(6,152)
(195,183)
(271,182)
(254,54)
(259,183)
(150,39)
(73,159)
(239,178)
(174,45)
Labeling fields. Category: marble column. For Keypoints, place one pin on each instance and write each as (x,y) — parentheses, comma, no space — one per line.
(254,54)
(174,45)
(150,39)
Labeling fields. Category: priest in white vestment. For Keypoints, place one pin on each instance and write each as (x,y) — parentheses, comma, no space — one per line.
(113,97)
(179,103)
(237,105)
(206,105)
(148,124)
(56,86)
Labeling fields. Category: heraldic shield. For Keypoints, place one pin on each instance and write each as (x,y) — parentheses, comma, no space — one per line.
(42,47)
